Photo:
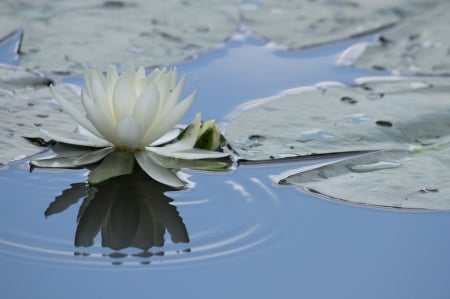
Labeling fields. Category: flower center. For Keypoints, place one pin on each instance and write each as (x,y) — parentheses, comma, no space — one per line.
(128,149)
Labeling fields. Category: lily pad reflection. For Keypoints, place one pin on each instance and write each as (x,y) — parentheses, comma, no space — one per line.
(128,211)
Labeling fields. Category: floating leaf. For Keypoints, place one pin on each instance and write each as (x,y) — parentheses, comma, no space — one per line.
(396,114)
(24,110)
(419,45)
(386,179)
(59,35)
(298,24)
(407,119)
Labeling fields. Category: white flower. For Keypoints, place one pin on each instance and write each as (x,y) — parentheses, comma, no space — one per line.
(130,113)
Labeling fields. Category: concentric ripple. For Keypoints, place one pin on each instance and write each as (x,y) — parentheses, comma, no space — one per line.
(223,218)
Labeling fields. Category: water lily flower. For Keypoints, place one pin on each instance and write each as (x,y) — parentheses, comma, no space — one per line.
(130,115)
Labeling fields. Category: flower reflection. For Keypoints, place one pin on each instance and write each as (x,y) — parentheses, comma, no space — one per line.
(129,211)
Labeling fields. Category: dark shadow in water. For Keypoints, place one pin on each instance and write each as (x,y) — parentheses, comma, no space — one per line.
(129,211)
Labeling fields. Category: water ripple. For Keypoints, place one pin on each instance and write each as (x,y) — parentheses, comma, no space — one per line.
(219,219)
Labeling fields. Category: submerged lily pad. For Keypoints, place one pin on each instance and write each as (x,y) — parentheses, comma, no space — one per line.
(23,111)
(61,35)
(419,45)
(396,114)
(298,24)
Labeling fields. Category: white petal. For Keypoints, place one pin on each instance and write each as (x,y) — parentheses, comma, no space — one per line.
(168,137)
(111,80)
(163,83)
(157,172)
(169,120)
(173,78)
(99,96)
(73,161)
(174,96)
(191,134)
(129,133)
(153,75)
(129,69)
(75,113)
(147,105)
(187,154)
(99,119)
(124,97)
(75,138)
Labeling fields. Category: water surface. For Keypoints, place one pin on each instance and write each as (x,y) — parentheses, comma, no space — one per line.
(249,238)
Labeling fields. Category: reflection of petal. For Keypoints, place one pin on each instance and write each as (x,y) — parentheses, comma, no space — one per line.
(131,211)
(171,220)
(157,172)
(66,199)
(76,160)
(75,138)
(122,222)
(91,218)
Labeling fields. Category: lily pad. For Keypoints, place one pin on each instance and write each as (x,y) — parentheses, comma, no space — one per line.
(403,121)
(299,24)
(386,179)
(375,115)
(24,110)
(61,35)
(419,45)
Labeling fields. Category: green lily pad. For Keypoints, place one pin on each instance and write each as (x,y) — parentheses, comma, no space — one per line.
(419,45)
(299,24)
(386,179)
(24,110)
(397,114)
(405,122)
(62,35)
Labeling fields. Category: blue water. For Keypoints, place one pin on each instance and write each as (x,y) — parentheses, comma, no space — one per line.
(249,238)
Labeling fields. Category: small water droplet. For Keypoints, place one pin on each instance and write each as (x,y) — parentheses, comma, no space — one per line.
(373,96)
(380,165)
(357,118)
(310,135)
(429,189)
(323,174)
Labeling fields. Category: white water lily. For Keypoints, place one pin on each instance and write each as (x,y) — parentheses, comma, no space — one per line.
(129,115)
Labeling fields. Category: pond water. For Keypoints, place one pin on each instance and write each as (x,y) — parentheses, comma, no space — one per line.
(248,237)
